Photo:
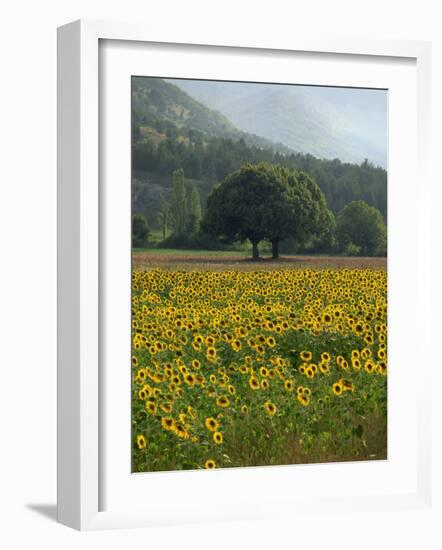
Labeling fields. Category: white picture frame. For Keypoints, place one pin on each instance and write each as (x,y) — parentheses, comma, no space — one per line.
(79,269)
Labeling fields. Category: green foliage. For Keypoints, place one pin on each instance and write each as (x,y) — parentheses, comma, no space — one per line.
(184,209)
(164,216)
(194,210)
(266,201)
(179,203)
(192,241)
(140,231)
(361,230)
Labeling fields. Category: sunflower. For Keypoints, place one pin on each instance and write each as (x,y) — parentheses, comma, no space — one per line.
(254,383)
(306,355)
(337,388)
(381,368)
(271,342)
(288,385)
(356,363)
(210,464)
(190,379)
(303,399)
(211,424)
(143,394)
(347,385)
(211,353)
(243,369)
(263,371)
(236,345)
(323,367)
(366,353)
(151,407)
(223,401)
(141,441)
(270,408)
(369,366)
(168,423)
(180,431)
(265,384)
(327,318)
(218,438)
(141,375)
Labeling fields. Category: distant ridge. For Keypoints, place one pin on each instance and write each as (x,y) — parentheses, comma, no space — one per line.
(344,123)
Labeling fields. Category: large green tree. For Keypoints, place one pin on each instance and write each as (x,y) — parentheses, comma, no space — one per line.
(264,201)
(361,230)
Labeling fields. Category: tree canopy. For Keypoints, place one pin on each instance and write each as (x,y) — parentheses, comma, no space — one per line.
(361,230)
(140,231)
(266,201)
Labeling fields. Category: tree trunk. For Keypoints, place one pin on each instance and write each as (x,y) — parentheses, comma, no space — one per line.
(275,249)
(255,250)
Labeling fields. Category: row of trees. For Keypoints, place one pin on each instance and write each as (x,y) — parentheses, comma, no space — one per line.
(181,213)
(213,159)
(184,210)
(267,202)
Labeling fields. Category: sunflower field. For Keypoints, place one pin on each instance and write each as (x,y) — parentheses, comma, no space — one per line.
(253,368)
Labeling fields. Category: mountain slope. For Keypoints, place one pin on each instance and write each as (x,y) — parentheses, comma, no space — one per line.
(161,105)
(344,123)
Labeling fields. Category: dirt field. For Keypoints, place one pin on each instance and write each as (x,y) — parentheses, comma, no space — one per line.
(205,260)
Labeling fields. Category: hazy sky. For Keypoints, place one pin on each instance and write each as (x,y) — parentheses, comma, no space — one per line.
(347,123)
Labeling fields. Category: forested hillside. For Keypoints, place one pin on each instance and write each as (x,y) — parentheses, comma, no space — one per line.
(170,130)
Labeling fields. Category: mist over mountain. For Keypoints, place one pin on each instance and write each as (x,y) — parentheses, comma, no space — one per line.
(327,122)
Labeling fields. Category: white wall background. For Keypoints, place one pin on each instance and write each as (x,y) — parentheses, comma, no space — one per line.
(28,269)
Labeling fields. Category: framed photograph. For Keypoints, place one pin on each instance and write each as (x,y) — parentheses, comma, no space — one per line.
(239,319)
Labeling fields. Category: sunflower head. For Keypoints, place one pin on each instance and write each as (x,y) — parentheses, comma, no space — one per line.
(304,399)
(218,437)
(270,408)
(141,441)
(211,424)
